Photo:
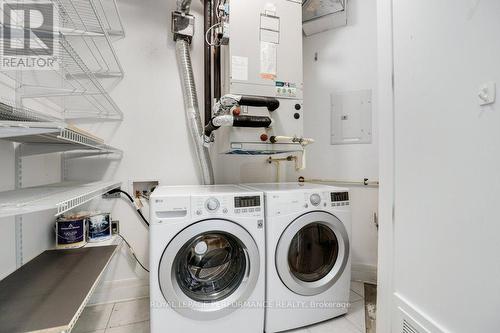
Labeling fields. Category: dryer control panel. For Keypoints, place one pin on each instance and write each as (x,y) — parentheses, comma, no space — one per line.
(228,205)
(284,203)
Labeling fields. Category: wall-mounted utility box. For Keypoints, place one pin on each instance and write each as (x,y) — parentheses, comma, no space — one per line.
(264,58)
(264,50)
(143,188)
(351,117)
(323,15)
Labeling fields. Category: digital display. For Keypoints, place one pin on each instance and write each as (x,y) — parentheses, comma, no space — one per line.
(340,196)
(243,202)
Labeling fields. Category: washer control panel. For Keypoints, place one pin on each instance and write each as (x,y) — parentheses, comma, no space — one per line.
(228,205)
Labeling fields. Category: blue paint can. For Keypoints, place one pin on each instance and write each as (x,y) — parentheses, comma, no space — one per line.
(71,232)
(99,227)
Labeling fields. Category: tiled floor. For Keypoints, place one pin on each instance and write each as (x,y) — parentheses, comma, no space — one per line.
(133,317)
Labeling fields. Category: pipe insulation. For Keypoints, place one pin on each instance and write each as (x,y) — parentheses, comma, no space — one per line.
(271,103)
(237,121)
(192,110)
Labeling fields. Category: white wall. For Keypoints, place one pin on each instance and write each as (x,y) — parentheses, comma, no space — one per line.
(347,61)
(447,185)
(386,165)
(156,142)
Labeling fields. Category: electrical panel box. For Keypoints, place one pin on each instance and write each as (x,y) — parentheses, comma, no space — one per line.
(351,117)
(264,58)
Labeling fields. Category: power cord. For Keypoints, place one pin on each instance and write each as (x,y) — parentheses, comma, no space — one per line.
(118,190)
(133,253)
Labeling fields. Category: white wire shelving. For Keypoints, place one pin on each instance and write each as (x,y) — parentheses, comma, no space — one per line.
(60,196)
(85,61)
(91,26)
(92,16)
(70,86)
(43,134)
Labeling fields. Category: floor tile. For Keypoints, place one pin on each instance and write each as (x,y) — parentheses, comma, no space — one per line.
(337,325)
(142,327)
(353,297)
(358,288)
(131,312)
(356,315)
(93,318)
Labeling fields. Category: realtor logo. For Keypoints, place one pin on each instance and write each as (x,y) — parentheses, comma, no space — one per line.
(29,37)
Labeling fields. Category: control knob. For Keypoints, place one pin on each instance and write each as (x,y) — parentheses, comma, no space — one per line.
(315,199)
(212,204)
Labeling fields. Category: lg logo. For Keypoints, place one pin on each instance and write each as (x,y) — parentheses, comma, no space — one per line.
(28,29)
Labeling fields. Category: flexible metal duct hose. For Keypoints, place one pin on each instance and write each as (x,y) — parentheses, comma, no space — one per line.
(192,110)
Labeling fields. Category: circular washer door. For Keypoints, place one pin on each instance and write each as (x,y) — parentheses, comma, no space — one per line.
(209,269)
(312,253)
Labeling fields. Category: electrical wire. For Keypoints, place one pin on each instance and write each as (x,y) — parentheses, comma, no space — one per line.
(144,196)
(217,10)
(133,253)
(208,31)
(118,190)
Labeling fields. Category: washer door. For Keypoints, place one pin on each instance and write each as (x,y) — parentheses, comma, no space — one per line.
(209,269)
(312,253)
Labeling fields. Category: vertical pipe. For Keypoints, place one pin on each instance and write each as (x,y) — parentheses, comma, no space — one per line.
(217,64)
(217,75)
(207,23)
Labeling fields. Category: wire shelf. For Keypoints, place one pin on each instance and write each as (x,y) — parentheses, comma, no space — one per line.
(89,26)
(83,55)
(70,85)
(92,16)
(46,138)
(42,134)
(60,196)
(9,112)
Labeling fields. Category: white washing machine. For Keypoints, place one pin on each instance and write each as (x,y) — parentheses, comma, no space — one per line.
(207,258)
(308,269)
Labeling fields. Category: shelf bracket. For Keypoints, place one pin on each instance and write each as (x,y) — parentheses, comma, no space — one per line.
(19,218)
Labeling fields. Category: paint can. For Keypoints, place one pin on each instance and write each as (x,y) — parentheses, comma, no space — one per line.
(99,227)
(71,232)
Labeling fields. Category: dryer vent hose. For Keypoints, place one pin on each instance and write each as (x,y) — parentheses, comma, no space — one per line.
(192,111)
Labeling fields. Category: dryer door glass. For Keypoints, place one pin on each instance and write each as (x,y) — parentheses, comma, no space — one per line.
(313,252)
(210,267)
